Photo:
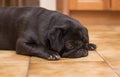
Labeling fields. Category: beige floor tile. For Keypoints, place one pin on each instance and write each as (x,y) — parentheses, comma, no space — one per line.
(104,32)
(104,36)
(13,70)
(12,57)
(112,58)
(103,28)
(106,44)
(110,51)
(71,69)
(93,56)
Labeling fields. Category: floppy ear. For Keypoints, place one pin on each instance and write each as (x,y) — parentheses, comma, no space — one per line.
(55,37)
(85,36)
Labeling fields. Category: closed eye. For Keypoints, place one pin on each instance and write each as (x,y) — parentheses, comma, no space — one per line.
(69,44)
(78,43)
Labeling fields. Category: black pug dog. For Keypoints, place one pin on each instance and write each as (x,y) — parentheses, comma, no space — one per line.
(36,31)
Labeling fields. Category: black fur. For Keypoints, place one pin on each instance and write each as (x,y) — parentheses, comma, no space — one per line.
(36,31)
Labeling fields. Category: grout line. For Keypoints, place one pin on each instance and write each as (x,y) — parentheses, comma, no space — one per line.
(27,75)
(108,64)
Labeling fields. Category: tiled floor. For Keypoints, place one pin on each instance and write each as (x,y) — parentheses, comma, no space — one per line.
(104,62)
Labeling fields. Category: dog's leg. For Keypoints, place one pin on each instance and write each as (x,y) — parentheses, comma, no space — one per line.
(25,48)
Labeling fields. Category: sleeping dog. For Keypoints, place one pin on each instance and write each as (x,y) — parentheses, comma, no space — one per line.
(36,31)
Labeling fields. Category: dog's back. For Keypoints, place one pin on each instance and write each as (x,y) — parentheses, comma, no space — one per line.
(12,21)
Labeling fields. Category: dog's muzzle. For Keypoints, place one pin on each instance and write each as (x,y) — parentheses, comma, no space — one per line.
(75,54)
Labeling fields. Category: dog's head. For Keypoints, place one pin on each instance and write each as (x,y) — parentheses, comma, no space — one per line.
(70,38)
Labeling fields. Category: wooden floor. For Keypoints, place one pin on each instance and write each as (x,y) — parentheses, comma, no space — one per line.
(104,62)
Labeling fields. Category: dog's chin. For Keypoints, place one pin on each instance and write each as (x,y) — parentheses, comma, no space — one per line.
(75,54)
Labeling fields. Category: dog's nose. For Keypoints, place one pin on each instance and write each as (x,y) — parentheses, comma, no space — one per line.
(91,46)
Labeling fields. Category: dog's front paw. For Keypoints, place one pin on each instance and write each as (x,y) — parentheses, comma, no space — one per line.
(54,56)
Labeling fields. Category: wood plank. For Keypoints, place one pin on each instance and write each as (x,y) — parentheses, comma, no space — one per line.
(97,17)
(116,5)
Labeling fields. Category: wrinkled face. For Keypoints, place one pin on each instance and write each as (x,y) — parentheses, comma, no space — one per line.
(70,39)
(75,44)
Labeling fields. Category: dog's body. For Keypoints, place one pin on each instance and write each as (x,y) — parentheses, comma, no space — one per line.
(35,31)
